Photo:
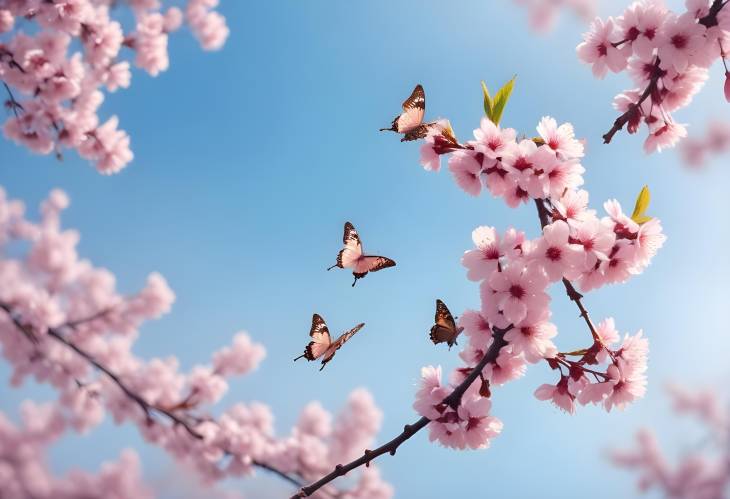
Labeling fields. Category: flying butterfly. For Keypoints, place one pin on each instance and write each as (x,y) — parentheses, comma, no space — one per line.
(322,344)
(445,329)
(410,121)
(351,256)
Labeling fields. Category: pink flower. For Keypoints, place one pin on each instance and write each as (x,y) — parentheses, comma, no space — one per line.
(680,39)
(484,260)
(430,159)
(533,338)
(556,255)
(519,288)
(598,49)
(558,395)
(665,136)
(479,427)
(466,168)
(431,394)
(597,239)
(508,367)
(491,140)
(560,139)
(573,206)
(641,24)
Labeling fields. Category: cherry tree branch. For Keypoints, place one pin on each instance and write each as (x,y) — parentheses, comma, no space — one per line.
(453,400)
(710,19)
(570,290)
(635,108)
(147,408)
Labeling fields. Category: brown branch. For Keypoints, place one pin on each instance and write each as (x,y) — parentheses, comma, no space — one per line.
(544,214)
(635,108)
(710,19)
(147,408)
(453,400)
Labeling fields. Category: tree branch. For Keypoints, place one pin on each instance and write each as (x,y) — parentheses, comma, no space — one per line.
(573,294)
(710,19)
(453,400)
(147,408)
(635,108)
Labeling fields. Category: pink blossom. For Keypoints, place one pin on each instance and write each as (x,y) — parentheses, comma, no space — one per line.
(665,136)
(533,338)
(466,168)
(560,139)
(680,39)
(598,49)
(558,395)
(556,255)
(483,261)
(491,140)
(519,288)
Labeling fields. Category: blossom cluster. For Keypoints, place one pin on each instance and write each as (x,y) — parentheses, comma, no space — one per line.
(695,151)
(24,472)
(63,323)
(703,473)
(74,52)
(514,272)
(667,55)
(544,13)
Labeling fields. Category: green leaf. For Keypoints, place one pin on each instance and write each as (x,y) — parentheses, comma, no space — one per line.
(500,100)
(642,204)
(488,106)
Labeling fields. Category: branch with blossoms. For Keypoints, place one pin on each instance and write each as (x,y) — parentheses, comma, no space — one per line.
(668,55)
(513,327)
(26,474)
(704,472)
(75,54)
(63,323)
(543,14)
(696,151)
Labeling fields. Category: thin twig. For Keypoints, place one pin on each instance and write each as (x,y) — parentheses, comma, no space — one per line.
(635,107)
(453,399)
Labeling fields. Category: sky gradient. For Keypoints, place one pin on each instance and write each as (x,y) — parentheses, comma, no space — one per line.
(249,160)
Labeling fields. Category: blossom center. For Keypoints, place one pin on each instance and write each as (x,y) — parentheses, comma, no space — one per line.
(517,291)
(679,41)
(553,253)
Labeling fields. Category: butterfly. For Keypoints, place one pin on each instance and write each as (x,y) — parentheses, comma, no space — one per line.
(351,256)
(445,329)
(410,121)
(322,344)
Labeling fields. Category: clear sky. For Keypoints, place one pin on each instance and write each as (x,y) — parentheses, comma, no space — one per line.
(249,160)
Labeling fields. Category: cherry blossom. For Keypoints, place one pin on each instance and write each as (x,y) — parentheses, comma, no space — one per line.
(696,151)
(701,473)
(669,56)
(544,13)
(62,323)
(56,77)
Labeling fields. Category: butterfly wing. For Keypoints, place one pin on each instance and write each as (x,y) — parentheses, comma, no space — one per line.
(421,131)
(445,330)
(321,339)
(337,344)
(371,264)
(414,108)
(352,252)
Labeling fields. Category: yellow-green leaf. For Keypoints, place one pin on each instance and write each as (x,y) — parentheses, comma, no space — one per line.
(642,204)
(488,106)
(500,100)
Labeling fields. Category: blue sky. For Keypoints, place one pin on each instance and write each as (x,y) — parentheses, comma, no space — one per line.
(249,160)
